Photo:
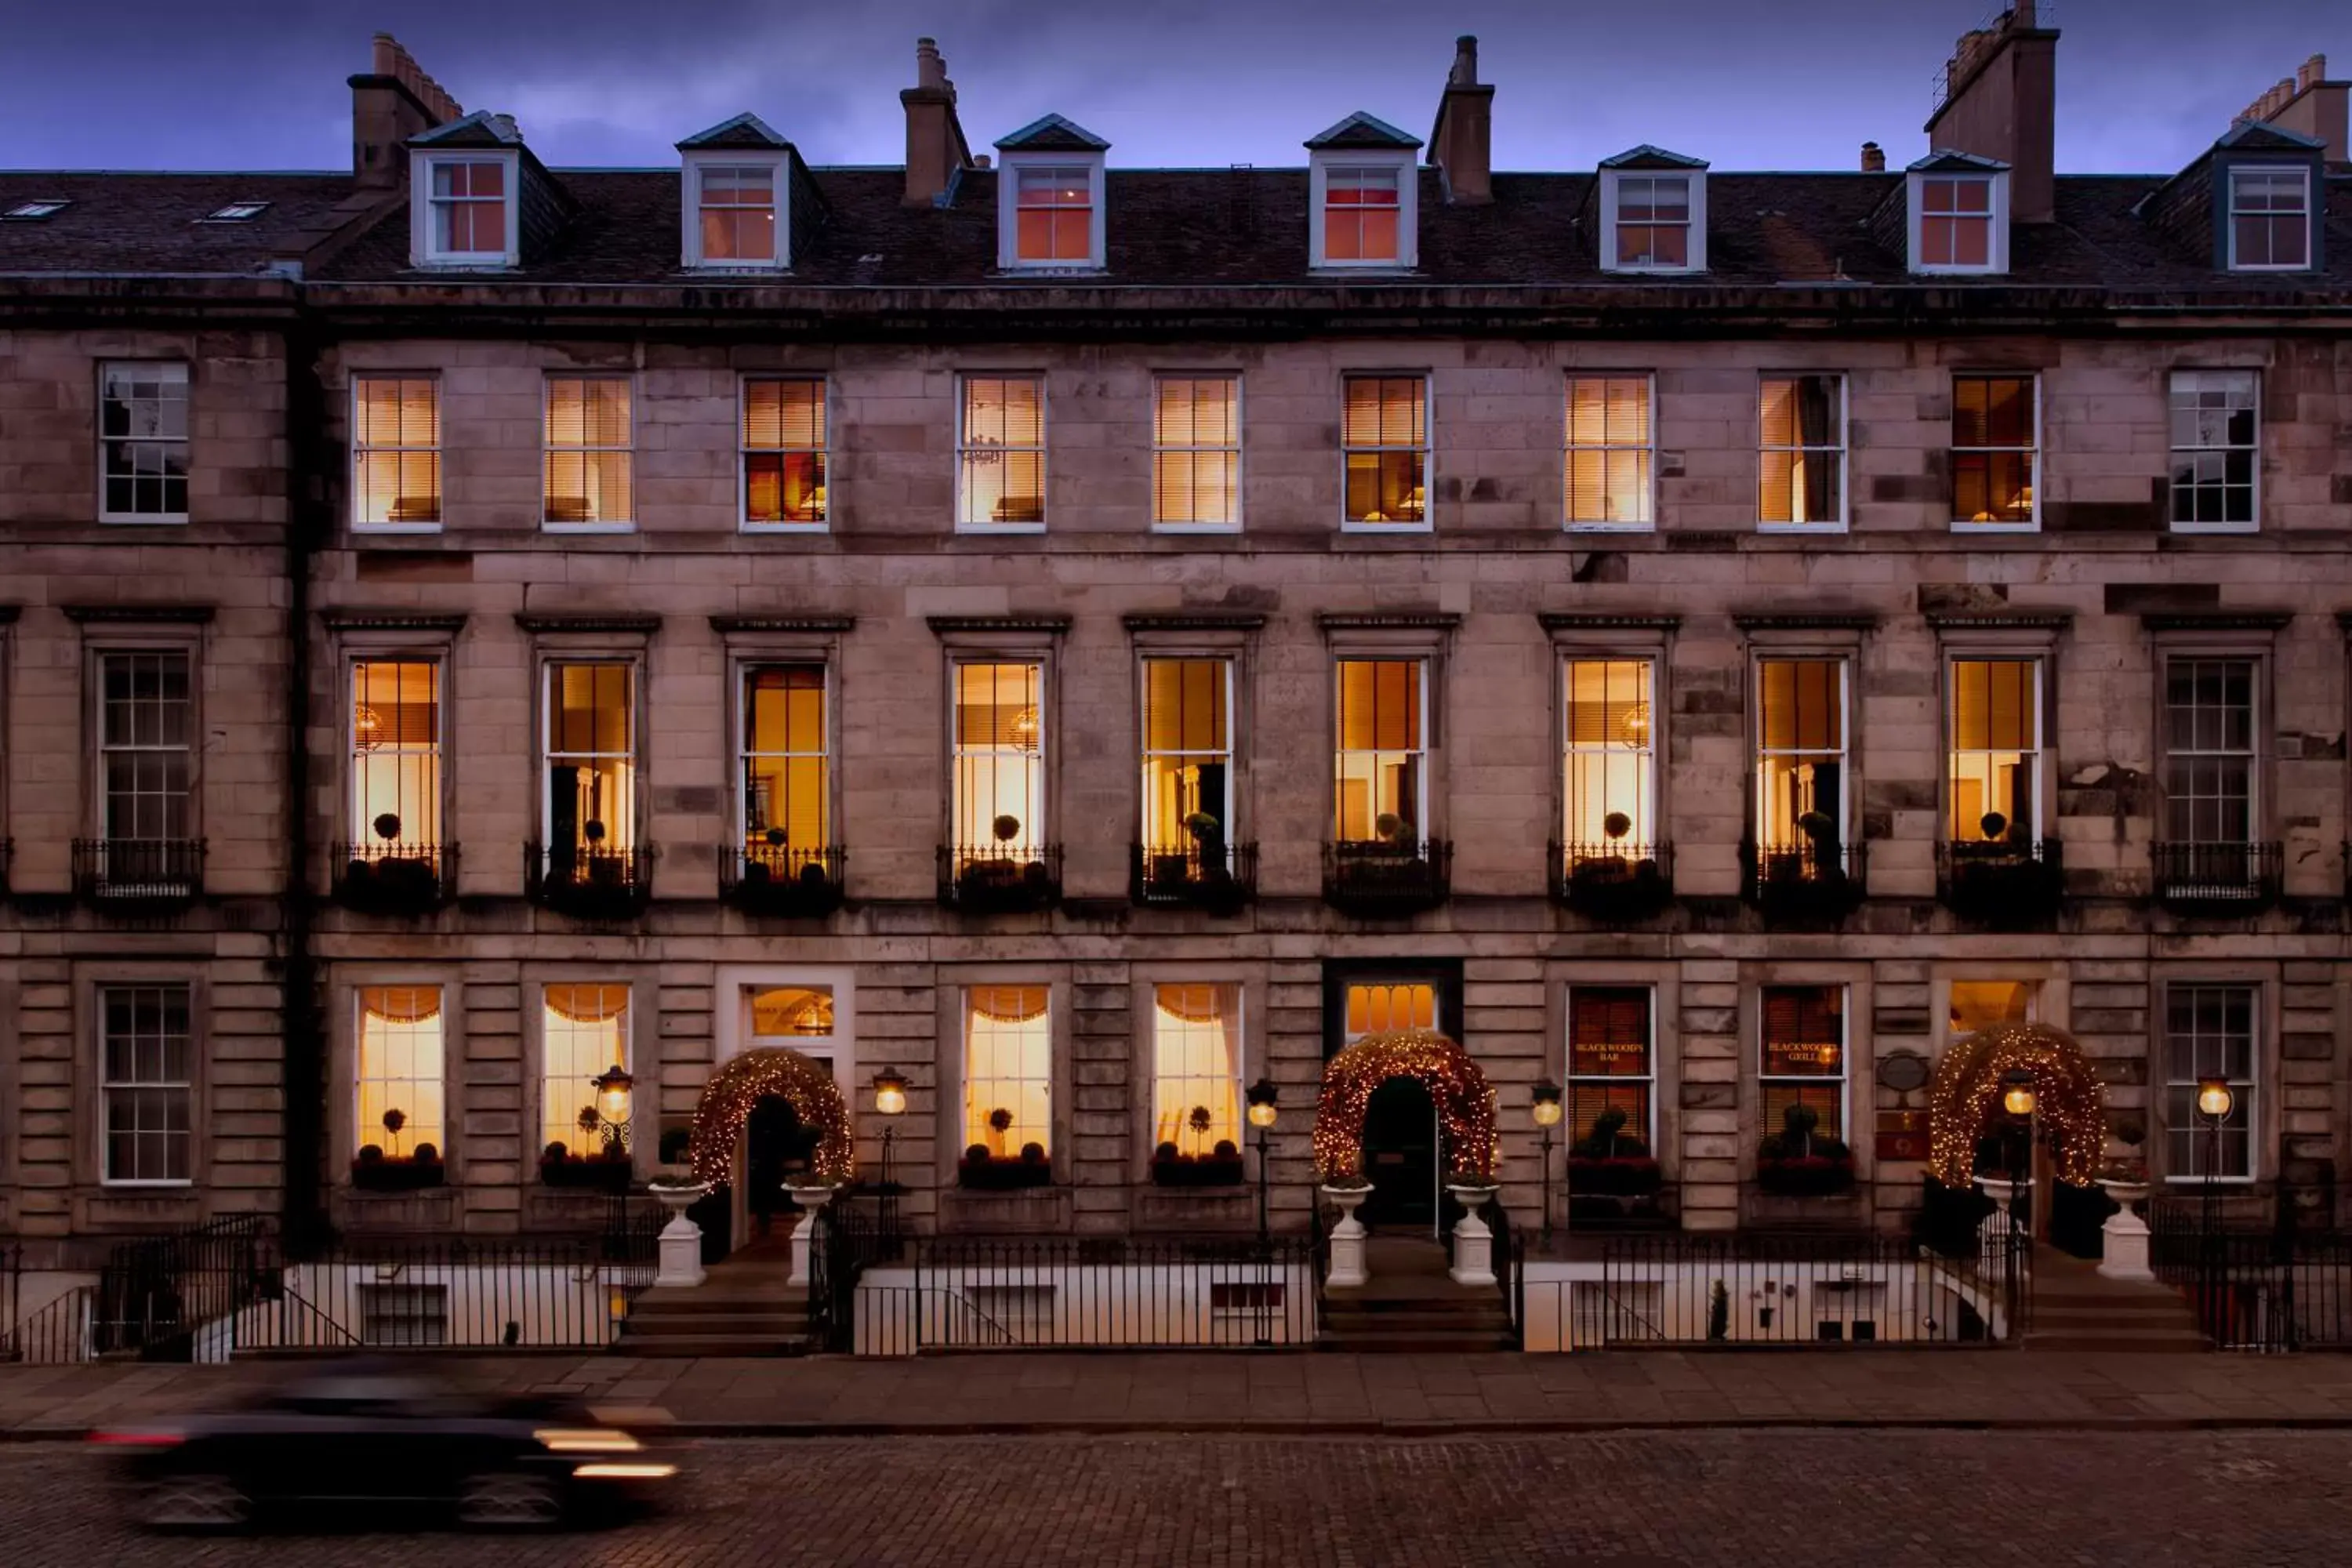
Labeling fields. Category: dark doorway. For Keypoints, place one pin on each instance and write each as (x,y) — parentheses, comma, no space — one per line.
(1401,1156)
(778,1148)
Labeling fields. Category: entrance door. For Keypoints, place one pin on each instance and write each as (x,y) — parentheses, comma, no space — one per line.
(777,1148)
(1401,1156)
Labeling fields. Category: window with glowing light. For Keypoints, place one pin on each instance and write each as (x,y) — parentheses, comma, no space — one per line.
(1382,760)
(1053,215)
(1609,786)
(1994,783)
(583,1029)
(1361,212)
(998,805)
(1611,1066)
(1187,754)
(1008,1080)
(1196,1046)
(787,802)
(1387,1007)
(395,451)
(1980,1004)
(1800,762)
(143,441)
(1956,219)
(2216,449)
(1654,222)
(1801,451)
(1384,437)
(785,452)
(2209,1031)
(147,1063)
(1610,451)
(1995,450)
(469,209)
(590,460)
(2270,219)
(738,212)
(1196,451)
(401,1069)
(395,766)
(591,760)
(784,1014)
(1001,452)
(1803,1056)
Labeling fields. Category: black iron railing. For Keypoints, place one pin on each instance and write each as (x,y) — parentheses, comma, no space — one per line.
(2011,884)
(153,871)
(2256,1280)
(588,882)
(999,878)
(1214,876)
(156,1294)
(1614,881)
(782,879)
(1381,878)
(2217,878)
(395,878)
(1814,881)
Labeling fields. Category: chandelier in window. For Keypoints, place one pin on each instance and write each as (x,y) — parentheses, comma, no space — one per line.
(367,727)
(1634,726)
(1024,729)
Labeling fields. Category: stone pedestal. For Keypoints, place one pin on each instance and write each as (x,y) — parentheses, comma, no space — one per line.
(1474,1244)
(681,1239)
(812,1202)
(1347,1238)
(2124,1254)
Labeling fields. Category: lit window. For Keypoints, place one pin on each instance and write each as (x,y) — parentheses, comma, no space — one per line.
(1610,770)
(1387,1007)
(1384,437)
(1196,450)
(1801,457)
(1995,433)
(1955,222)
(1654,222)
(1611,1067)
(146,740)
(1000,453)
(739,213)
(399,1071)
(396,759)
(237,212)
(468,203)
(2211,798)
(588,452)
(1980,1004)
(1008,1069)
(1803,1056)
(1361,209)
(1381,762)
(592,763)
(787,775)
(1196,1079)
(793,1013)
(1188,754)
(33,212)
(2216,449)
(2270,219)
(783,452)
(1801,809)
(2209,1032)
(583,1030)
(1053,215)
(147,1053)
(1000,761)
(1609,451)
(395,451)
(143,441)
(1996,756)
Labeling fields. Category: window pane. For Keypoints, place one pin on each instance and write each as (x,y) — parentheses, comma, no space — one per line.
(395,728)
(1196,1067)
(1187,758)
(400,1069)
(583,1030)
(1008,1069)
(1609,761)
(999,777)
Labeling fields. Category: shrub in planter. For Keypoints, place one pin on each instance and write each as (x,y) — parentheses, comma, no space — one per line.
(985,1172)
(1799,1162)
(607,1171)
(1221,1167)
(374,1172)
(1610,1162)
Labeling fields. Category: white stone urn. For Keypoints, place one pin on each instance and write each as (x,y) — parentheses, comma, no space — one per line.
(681,1239)
(1347,1237)
(1474,1244)
(2123,1255)
(812,1201)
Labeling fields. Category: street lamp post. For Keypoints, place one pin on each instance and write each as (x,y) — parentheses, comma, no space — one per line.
(2214,1103)
(2017,1098)
(890,1102)
(1262,1115)
(616,1095)
(1546,1113)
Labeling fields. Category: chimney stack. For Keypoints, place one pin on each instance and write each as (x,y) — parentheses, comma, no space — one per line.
(1874,158)
(1463,143)
(936,149)
(2001,100)
(2308,104)
(392,101)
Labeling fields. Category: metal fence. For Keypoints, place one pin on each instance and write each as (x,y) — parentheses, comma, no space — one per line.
(2254,1287)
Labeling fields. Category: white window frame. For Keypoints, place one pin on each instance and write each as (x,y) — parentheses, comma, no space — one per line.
(635,843)
(965,447)
(744,670)
(1968,525)
(1996,218)
(1647,751)
(1570,1078)
(361,1128)
(1146,756)
(1570,447)
(185,441)
(743,451)
(1849,808)
(1160,379)
(1427,449)
(1695,253)
(424,244)
(1425,830)
(1035,838)
(1319,166)
(606,980)
(109,1086)
(1840,451)
(1008,210)
(1846,1132)
(690,175)
(2039,754)
(2245,1091)
(359,379)
(2258,675)
(360,830)
(965,1098)
(2197,380)
(2229,217)
(1239,1075)
(100,814)
(548,448)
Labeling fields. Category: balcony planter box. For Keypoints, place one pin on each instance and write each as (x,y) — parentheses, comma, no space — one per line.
(986,1172)
(2006,885)
(1624,1177)
(1224,1168)
(600,1173)
(373,1173)
(1806,1176)
(390,885)
(1617,889)
(805,888)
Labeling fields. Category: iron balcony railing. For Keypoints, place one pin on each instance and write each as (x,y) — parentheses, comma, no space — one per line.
(1214,876)
(1614,881)
(1000,879)
(395,878)
(2011,884)
(139,870)
(1386,879)
(1812,881)
(588,882)
(2224,878)
(782,879)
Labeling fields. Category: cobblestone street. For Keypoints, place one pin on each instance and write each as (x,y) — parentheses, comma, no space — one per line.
(1696,1498)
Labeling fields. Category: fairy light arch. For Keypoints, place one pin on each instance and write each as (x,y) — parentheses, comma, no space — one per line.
(2070,1104)
(801,1082)
(1465,1106)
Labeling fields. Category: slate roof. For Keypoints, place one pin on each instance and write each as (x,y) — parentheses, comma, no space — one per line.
(1361,130)
(743,130)
(153,224)
(1646,156)
(1052,133)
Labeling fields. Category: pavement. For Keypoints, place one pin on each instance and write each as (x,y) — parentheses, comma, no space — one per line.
(1291,1393)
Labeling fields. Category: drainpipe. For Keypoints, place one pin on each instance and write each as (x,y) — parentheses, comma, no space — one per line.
(303,1215)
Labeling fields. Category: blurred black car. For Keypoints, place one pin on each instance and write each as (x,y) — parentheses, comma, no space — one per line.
(367,1438)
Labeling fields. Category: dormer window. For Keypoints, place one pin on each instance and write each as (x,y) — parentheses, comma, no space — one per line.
(1049,202)
(2270,219)
(468,216)
(1653,212)
(1960,214)
(1365,196)
(1360,214)
(738,209)
(736,180)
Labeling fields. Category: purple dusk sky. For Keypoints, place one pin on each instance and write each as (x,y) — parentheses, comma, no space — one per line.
(1747,84)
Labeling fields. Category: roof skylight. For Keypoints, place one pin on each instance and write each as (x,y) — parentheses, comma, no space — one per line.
(33,212)
(237,212)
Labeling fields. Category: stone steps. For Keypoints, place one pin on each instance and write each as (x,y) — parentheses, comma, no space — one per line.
(1411,1306)
(743,1307)
(2076,1307)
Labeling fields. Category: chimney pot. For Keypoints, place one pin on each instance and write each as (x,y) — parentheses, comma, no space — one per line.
(936,148)
(1462,142)
(1466,62)
(931,71)
(1874,158)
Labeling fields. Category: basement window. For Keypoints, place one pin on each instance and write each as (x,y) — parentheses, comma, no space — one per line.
(34,212)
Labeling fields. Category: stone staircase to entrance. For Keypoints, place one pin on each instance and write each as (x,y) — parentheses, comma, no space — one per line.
(1411,1305)
(2076,1307)
(743,1307)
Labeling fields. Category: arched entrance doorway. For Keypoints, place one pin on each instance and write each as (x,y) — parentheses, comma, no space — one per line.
(770,1114)
(1401,1151)
(1377,1102)
(1966,1121)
